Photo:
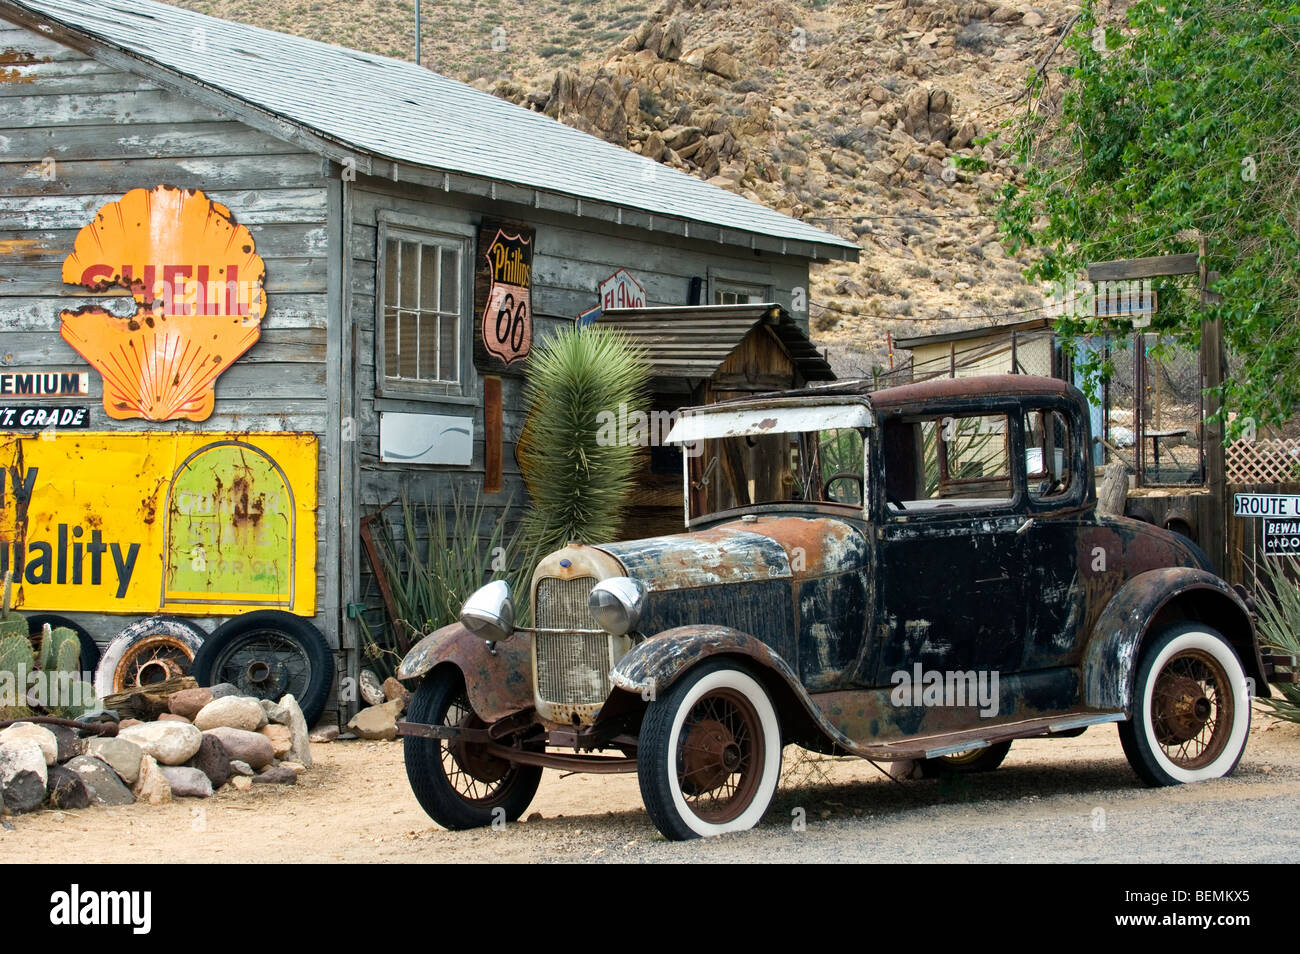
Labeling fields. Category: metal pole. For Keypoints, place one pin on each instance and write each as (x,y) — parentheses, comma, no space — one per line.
(417,32)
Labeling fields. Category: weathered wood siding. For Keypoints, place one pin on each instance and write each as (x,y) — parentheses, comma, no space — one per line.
(571,257)
(75,135)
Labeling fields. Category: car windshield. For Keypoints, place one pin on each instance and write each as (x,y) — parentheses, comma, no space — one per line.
(823,466)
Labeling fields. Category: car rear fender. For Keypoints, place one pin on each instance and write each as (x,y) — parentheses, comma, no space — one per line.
(1149,602)
(497,675)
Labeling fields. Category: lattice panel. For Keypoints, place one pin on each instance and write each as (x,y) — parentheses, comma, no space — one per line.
(1263,461)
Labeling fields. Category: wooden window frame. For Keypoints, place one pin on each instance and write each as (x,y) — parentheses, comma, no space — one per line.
(403,228)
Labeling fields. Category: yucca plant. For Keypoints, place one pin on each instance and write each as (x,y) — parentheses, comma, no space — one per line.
(1278,605)
(578,478)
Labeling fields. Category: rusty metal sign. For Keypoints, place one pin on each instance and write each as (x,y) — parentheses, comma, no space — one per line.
(503,285)
(116,522)
(197,285)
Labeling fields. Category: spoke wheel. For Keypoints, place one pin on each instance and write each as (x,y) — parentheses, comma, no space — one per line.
(709,753)
(459,784)
(1190,711)
(148,652)
(984,759)
(265,664)
(720,756)
(268,654)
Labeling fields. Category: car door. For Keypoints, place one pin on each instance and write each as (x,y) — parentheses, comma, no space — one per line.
(950,555)
(1056,570)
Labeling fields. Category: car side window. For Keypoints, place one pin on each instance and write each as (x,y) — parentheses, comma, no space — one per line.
(947,462)
(1048,455)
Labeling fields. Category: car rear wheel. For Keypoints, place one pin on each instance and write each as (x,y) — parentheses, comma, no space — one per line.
(458,784)
(710,754)
(1190,714)
(984,759)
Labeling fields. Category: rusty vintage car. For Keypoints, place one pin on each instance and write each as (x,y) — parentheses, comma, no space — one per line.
(912,573)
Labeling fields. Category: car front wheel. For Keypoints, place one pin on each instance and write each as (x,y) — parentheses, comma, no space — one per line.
(710,753)
(1191,708)
(459,784)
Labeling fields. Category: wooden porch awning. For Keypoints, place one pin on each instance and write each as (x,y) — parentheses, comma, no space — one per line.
(693,341)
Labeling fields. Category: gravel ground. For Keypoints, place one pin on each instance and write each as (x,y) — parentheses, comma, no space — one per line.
(1068,800)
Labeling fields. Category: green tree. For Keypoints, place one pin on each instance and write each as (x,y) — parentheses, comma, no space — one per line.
(1182,121)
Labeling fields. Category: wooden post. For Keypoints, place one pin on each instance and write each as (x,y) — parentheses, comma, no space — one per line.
(1212,373)
(492,434)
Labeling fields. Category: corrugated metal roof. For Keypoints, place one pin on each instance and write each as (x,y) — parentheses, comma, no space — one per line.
(402,112)
(692,341)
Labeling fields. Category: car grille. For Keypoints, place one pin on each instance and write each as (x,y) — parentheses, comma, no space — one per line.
(572,668)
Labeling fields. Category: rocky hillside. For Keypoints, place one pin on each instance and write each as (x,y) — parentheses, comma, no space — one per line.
(846,114)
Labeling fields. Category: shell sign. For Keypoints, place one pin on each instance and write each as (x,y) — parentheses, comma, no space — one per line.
(197,283)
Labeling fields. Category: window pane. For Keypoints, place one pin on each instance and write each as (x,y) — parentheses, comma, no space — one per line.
(428,279)
(410,277)
(390,342)
(1047,454)
(428,346)
(449,369)
(963,463)
(406,358)
(450,281)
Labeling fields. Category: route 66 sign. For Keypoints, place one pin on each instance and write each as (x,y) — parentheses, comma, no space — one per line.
(503,285)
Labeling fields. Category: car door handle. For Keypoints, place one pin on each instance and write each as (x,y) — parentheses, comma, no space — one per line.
(995,579)
(1025,526)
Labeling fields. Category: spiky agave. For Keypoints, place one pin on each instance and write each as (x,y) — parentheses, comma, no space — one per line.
(1279,625)
(578,478)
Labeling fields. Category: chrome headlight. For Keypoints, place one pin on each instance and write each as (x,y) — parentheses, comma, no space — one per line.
(616,604)
(489,613)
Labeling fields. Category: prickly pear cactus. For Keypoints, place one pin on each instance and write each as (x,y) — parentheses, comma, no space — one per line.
(16,662)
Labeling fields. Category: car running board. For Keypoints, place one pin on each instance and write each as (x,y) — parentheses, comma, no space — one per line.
(949,743)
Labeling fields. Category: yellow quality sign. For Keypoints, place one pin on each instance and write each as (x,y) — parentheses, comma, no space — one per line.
(201,524)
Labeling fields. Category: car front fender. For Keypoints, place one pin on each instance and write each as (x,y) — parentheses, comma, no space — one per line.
(498,676)
(654,665)
(1169,593)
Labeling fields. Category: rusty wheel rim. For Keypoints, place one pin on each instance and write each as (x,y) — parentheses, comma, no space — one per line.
(1192,709)
(151,660)
(720,756)
(480,779)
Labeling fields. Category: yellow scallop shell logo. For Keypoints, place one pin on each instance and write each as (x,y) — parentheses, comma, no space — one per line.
(198,287)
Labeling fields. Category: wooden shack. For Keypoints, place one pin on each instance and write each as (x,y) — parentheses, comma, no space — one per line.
(701,355)
(363,254)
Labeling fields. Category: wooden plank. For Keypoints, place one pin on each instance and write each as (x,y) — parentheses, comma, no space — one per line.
(142,141)
(42,313)
(1154,266)
(272,242)
(69,111)
(104,176)
(248,207)
(492,434)
(38,80)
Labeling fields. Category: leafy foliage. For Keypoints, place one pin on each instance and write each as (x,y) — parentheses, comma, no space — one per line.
(579,482)
(1179,123)
(1279,625)
(440,554)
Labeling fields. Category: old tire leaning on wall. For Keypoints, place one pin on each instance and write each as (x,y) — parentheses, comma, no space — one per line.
(266,654)
(709,753)
(148,651)
(1190,709)
(89,650)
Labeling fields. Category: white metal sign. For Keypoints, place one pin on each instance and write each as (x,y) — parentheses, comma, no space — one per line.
(621,290)
(1266,505)
(426,439)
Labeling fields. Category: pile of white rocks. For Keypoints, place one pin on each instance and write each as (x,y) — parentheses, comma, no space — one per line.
(210,738)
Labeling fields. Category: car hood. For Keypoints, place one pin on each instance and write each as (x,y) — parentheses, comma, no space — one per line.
(742,551)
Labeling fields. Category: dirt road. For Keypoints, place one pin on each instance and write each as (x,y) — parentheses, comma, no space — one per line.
(1064,800)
